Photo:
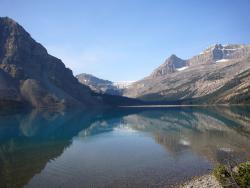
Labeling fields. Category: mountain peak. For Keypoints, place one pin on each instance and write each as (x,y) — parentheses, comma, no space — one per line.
(213,46)
(89,78)
(175,61)
(169,66)
(17,42)
(218,46)
(10,24)
(173,56)
(7,20)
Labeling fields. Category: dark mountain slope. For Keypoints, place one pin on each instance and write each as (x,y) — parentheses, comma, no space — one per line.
(29,75)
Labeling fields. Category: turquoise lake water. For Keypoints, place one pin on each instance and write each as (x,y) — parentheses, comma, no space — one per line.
(141,147)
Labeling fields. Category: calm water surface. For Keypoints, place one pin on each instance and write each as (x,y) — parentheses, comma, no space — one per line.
(145,147)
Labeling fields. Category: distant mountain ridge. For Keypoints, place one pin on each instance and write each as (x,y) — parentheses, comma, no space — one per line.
(219,52)
(220,74)
(103,86)
(215,53)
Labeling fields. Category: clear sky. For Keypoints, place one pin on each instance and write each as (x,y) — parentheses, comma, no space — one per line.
(126,39)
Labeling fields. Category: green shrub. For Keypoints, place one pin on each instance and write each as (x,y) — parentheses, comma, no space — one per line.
(221,174)
(242,175)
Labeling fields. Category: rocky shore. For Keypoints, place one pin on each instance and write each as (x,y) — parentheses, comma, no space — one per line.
(206,181)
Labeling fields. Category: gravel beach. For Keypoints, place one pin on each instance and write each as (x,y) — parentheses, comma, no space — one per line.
(206,181)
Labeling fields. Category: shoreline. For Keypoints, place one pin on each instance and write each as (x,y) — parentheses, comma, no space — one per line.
(182,105)
(204,181)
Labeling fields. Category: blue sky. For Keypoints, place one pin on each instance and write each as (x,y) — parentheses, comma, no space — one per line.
(126,39)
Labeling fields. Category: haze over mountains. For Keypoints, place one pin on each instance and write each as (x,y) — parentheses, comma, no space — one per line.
(219,74)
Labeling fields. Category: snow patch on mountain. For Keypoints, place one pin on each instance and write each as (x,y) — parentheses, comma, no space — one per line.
(123,84)
(222,60)
(182,68)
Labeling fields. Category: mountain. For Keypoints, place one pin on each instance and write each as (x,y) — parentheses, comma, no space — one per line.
(171,65)
(216,53)
(30,77)
(219,53)
(98,85)
(220,74)
(103,86)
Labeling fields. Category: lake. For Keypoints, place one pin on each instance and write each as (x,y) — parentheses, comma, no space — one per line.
(129,147)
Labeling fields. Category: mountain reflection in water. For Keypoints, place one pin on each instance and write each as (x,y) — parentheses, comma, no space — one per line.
(140,147)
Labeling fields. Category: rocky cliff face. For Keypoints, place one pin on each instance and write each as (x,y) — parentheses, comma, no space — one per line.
(220,74)
(29,75)
(219,53)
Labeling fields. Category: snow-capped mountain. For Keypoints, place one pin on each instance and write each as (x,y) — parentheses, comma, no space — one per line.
(219,74)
